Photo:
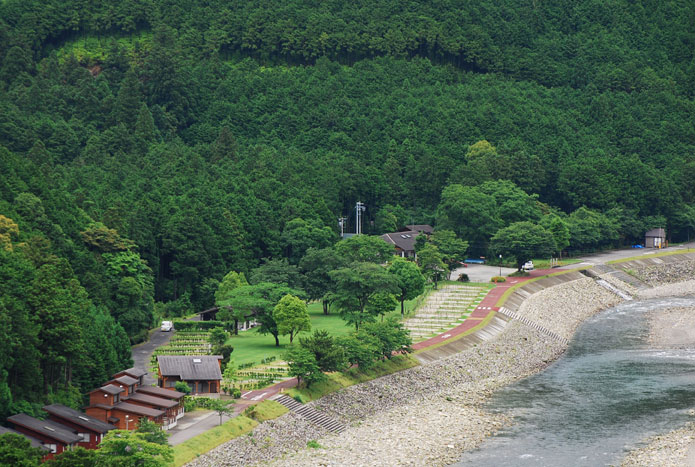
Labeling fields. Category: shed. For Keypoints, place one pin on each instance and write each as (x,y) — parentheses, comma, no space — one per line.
(655,238)
(202,373)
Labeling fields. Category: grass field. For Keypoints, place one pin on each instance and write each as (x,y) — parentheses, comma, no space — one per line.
(251,346)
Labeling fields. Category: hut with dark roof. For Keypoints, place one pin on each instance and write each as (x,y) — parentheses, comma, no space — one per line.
(90,429)
(56,437)
(202,373)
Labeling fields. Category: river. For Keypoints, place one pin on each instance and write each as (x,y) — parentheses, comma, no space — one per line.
(609,391)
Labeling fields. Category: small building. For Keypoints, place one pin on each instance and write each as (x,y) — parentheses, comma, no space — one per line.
(655,238)
(136,373)
(166,393)
(91,430)
(208,315)
(403,242)
(202,373)
(56,437)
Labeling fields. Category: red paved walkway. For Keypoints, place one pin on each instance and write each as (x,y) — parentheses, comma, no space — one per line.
(485,307)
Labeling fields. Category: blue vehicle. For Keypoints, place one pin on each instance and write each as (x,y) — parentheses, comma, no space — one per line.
(637,246)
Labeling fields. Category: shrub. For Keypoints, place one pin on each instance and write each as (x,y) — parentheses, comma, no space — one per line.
(303,365)
(463,278)
(519,274)
(329,356)
(498,279)
(235,393)
(182,387)
(313,444)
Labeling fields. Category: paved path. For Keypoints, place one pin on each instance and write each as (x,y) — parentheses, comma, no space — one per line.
(612,255)
(486,306)
(142,353)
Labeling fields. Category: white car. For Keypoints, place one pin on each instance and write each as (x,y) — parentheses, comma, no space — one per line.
(528,266)
(167,326)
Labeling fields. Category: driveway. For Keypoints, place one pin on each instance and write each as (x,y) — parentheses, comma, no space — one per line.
(142,353)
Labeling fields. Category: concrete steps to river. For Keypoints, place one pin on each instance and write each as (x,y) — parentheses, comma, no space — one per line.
(309,413)
(444,309)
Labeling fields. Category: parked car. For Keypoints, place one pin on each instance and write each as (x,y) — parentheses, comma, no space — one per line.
(528,266)
(637,246)
(167,326)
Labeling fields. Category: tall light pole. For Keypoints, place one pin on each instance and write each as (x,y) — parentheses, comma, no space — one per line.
(500,265)
(127,419)
(359,208)
(341,223)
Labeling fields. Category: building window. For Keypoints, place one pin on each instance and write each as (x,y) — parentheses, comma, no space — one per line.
(170,383)
(86,438)
(52,447)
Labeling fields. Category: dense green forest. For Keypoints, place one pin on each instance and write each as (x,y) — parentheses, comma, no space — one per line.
(149,147)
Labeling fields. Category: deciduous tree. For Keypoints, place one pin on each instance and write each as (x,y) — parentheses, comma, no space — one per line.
(291,316)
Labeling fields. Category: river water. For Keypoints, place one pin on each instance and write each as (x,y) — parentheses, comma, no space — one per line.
(609,391)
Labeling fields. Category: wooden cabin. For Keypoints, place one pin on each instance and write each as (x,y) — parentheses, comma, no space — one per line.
(166,393)
(54,436)
(202,373)
(168,406)
(91,430)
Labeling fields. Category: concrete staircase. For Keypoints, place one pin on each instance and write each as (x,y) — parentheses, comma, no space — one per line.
(309,413)
(444,309)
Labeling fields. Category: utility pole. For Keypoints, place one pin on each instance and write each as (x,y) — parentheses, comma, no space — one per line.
(359,208)
(341,223)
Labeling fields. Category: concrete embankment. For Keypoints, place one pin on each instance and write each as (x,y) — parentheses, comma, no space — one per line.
(428,415)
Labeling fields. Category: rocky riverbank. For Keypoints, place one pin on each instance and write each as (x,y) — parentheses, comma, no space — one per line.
(671,273)
(426,415)
(674,449)
(673,328)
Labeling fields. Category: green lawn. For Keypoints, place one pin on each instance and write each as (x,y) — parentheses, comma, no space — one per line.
(251,346)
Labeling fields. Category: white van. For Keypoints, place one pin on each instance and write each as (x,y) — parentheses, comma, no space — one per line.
(167,326)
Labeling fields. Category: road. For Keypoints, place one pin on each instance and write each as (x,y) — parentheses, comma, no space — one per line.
(142,353)
(612,255)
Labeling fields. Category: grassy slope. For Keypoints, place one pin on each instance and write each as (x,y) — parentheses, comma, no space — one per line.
(192,448)
(255,414)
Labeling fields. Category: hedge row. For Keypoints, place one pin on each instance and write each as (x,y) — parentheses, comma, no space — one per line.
(198,325)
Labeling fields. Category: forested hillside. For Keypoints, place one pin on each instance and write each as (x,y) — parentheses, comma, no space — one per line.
(149,147)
